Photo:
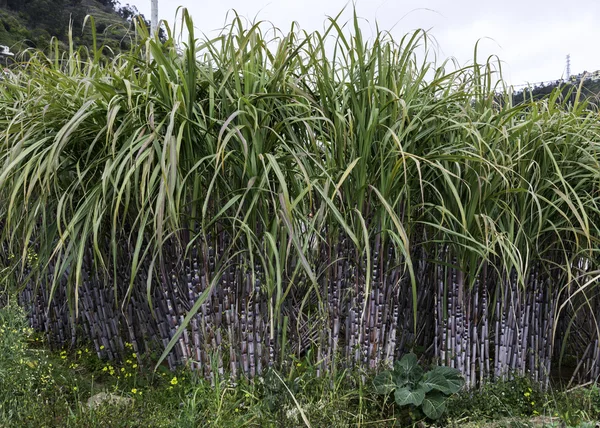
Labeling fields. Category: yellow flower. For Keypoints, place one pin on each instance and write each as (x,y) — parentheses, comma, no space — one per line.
(134,366)
(101,347)
(174,381)
(134,355)
(74,388)
(134,391)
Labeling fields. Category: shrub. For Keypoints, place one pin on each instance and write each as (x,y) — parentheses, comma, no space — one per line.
(25,375)
(517,397)
(411,385)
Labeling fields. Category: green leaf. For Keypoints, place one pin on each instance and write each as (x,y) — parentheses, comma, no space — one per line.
(453,378)
(406,396)
(434,380)
(434,405)
(408,368)
(201,299)
(384,382)
(399,370)
(408,362)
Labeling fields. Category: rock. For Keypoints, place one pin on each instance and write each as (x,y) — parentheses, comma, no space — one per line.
(112,399)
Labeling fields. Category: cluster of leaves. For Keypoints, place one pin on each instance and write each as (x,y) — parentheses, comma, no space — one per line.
(274,400)
(578,406)
(413,386)
(521,399)
(518,397)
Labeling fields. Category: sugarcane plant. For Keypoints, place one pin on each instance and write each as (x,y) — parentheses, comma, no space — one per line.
(233,200)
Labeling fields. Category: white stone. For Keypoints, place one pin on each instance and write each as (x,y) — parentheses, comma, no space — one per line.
(104,397)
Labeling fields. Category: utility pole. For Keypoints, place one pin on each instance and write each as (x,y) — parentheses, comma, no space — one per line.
(568,67)
(154,18)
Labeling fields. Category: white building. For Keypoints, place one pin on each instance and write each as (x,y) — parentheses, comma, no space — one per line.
(5,51)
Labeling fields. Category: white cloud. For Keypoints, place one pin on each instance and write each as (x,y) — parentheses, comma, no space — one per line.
(531,37)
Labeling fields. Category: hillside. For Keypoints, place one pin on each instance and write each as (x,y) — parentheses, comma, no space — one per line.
(33,23)
(590,88)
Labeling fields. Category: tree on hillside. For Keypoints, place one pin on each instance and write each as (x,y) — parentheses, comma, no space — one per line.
(39,20)
(48,14)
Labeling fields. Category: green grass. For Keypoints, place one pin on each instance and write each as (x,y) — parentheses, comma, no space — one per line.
(43,388)
(46,388)
(51,388)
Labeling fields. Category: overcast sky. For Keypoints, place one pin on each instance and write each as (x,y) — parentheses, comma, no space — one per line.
(531,37)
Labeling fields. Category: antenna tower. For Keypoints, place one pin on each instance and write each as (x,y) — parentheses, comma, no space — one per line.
(568,67)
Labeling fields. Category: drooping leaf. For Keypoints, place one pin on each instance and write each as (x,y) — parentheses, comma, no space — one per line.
(434,405)
(434,381)
(454,379)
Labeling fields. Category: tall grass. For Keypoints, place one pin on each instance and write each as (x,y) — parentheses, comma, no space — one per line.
(234,200)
